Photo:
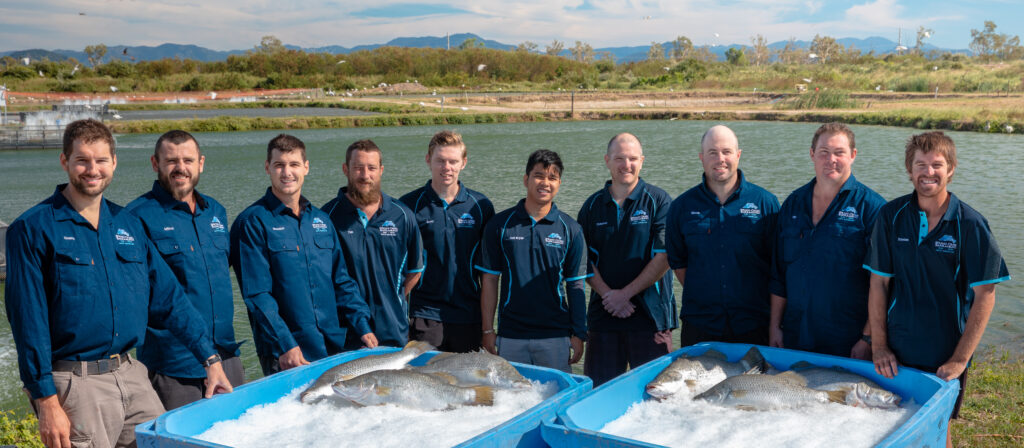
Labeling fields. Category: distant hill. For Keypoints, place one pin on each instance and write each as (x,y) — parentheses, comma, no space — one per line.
(879,45)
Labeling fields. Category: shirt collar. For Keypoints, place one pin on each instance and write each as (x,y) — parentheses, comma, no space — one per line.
(951,209)
(634,195)
(461,196)
(167,201)
(64,211)
(850,184)
(277,207)
(552,215)
(741,182)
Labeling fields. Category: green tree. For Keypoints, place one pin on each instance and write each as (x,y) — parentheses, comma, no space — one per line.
(270,45)
(759,52)
(825,47)
(95,54)
(682,48)
(791,53)
(735,56)
(988,44)
(527,46)
(582,52)
(555,48)
(471,42)
(656,52)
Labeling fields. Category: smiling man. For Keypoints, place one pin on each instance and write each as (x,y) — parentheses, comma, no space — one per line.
(83,282)
(292,272)
(819,291)
(719,242)
(632,312)
(934,267)
(189,229)
(445,306)
(536,250)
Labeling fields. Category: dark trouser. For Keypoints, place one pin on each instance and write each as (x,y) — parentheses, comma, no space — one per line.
(176,392)
(608,353)
(692,334)
(269,365)
(447,337)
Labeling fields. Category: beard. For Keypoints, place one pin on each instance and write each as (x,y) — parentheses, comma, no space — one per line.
(85,190)
(181,192)
(365,197)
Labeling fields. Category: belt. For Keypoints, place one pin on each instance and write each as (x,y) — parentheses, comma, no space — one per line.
(100,366)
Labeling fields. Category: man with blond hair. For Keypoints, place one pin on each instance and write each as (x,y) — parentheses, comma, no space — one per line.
(445,306)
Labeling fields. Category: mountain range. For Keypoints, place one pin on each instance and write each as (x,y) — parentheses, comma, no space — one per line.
(879,45)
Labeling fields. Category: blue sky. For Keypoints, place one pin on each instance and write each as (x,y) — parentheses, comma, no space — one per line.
(225,25)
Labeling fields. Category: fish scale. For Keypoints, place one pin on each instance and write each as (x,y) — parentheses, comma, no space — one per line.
(410,389)
(321,388)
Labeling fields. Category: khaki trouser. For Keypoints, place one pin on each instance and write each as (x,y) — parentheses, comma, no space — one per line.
(104,409)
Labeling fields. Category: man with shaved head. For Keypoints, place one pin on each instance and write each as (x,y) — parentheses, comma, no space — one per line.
(632,311)
(719,242)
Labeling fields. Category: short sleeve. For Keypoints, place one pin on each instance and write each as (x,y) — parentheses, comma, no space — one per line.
(675,240)
(982,263)
(879,256)
(491,260)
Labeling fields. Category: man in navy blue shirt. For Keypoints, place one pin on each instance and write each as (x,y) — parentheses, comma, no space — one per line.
(934,267)
(291,270)
(632,310)
(719,242)
(445,306)
(189,229)
(819,291)
(534,248)
(83,280)
(383,249)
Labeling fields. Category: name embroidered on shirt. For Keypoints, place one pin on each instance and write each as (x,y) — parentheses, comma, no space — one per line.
(168,229)
(124,238)
(277,228)
(848,214)
(946,244)
(69,238)
(554,240)
(695,212)
(319,226)
(466,220)
(902,240)
(639,217)
(215,224)
(388,229)
(599,224)
(516,238)
(750,210)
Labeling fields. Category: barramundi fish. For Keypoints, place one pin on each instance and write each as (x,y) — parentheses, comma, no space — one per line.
(411,389)
(321,388)
(476,368)
(860,390)
(764,392)
(696,374)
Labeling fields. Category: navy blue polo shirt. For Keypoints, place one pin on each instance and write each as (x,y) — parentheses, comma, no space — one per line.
(726,251)
(621,241)
(82,294)
(380,250)
(933,275)
(195,247)
(817,268)
(534,259)
(294,280)
(449,290)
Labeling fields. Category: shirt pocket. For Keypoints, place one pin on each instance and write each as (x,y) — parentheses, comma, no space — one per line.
(282,250)
(791,240)
(132,262)
(74,271)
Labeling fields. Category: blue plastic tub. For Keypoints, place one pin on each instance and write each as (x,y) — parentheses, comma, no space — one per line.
(578,423)
(179,427)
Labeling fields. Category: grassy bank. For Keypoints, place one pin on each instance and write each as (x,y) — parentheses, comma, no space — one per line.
(992,414)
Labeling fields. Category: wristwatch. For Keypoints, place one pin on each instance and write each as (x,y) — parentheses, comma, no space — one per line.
(866,338)
(491,331)
(212,360)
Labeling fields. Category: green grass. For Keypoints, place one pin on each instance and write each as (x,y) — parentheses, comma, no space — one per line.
(822,99)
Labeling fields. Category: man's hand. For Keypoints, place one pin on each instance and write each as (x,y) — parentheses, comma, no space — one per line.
(951,369)
(885,360)
(54,426)
(369,340)
(487,341)
(216,380)
(576,344)
(617,303)
(861,350)
(664,337)
(775,337)
(292,358)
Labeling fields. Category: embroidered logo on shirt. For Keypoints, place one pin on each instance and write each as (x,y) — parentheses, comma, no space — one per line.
(848,214)
(466,220)
(751,211)
(124,238)
(388,229)
(946,244)
(319,226)
(215,224)
(554,240)
(639,217)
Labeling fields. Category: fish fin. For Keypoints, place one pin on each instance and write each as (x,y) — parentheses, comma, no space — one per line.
(441,356)
(357,395)
(481,373)
(712,353)
(756,370)
(800,365)
(446,377)
(419,347)
(484,396)
(382,390)
(792,377)
(837,396)
(739,393)
(746,407)
(753,359)
(692,384)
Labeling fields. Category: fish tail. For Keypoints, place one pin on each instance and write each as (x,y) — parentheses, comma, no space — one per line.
(419,347)
(484,396)
(837,396)
(753,361)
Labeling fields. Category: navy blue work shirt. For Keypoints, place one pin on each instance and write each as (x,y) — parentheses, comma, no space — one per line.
(449,290)
(195,247)
(380,251)
(817,268)
(82,294)
(726,250)
(933,275)
(534,259)
(621,241)
(294,280)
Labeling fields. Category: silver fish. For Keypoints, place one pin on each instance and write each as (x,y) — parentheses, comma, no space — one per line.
(696,374)
(321,388)
(764,392)
(411,389)
(477,368)
(860,390)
